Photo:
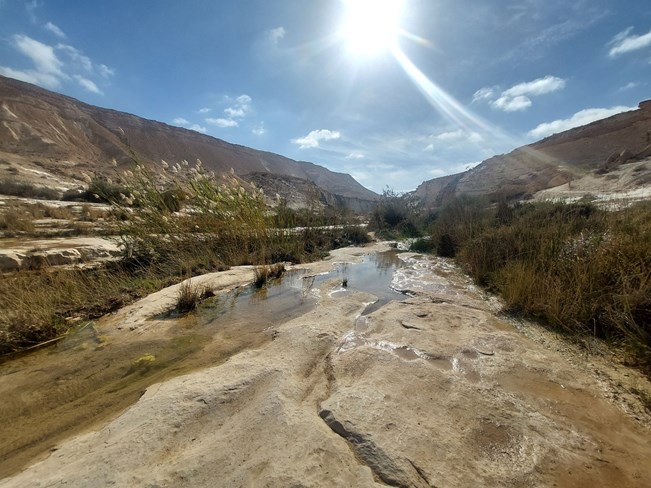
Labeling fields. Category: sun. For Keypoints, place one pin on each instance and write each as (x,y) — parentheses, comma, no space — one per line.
(371,26)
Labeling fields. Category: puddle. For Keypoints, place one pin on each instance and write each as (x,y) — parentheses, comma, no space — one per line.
(373,275)
(86,378)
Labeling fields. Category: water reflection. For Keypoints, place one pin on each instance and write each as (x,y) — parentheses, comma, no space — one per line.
(66,388)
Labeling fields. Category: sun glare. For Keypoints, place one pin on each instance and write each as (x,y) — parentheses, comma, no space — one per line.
(371,26)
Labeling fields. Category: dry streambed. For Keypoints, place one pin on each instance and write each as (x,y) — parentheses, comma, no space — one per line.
(433,389)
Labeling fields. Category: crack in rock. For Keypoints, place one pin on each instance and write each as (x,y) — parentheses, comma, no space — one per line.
(407,325)
(382,466)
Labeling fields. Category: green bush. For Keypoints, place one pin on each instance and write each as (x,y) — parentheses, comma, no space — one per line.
(424,245)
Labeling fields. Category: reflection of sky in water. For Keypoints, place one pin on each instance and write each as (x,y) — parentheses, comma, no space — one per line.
(373,275)
(294,294)
(282,299)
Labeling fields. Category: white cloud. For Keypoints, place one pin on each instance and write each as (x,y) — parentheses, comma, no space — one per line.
(451,136)
(49,69)
(485,93)
(429,148)
(55,30)
(88,84)
(104,71)
(234,112)
(76,56)
(181,121)
(454,136)
(31,76)
(517,98)
(578,119)
(31,10)
(315,137)
(42,55)
(624,42)
(259,129)
(355,155)
(204,110)
(275,35)
(436,172)
(629,86)
(223,123)
(541,86)
(198,128)
(475,137)
(514,104)
(240,108)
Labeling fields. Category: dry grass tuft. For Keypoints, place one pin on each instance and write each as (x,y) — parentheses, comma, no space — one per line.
(574,267)
(190,296)
(262,274)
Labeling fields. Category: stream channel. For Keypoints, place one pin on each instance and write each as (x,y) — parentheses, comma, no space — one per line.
(92,375)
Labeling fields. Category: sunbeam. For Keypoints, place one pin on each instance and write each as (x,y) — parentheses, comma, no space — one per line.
(444,102)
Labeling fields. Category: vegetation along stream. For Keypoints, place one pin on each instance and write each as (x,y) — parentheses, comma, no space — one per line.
(96,372)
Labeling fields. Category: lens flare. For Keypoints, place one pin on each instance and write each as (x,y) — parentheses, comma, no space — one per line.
(371,26)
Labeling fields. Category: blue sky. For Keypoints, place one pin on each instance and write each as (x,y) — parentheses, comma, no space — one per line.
(461,80)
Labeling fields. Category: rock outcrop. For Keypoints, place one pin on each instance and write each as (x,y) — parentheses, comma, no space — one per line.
(43,253)
(551,162)
(65,136)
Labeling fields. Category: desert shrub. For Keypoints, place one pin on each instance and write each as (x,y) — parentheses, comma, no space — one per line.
(574,267)
(178,222)
(78,195)
(394,217)
(27,190)
(458,222)
(355,235)
(445,246)
(424,245)
(262,274)
(14,220)
(36,304)
(189,297)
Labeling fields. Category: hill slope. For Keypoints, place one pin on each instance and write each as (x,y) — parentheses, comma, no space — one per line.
(65,136)
(597,147)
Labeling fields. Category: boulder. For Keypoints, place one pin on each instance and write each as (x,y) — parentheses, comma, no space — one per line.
(10,262)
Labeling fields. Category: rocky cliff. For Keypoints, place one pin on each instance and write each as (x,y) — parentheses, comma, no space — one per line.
(561,158)
(65,136)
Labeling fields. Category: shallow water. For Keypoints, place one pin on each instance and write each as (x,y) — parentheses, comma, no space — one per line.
(88,378)
(373,275)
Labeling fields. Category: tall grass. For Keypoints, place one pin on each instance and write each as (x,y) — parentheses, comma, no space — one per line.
(14,220)
(575,267)
(262,274)
(40,305)
(174,223)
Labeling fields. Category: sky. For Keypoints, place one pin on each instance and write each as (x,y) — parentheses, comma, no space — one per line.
(393,92)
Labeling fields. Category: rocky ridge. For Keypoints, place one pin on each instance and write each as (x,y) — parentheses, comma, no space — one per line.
(52,138)
(597,148)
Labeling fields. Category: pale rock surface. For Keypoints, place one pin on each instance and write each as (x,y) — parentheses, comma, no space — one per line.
(435,390)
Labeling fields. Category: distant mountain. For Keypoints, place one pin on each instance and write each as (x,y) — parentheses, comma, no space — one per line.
(596,148)
(46,133)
